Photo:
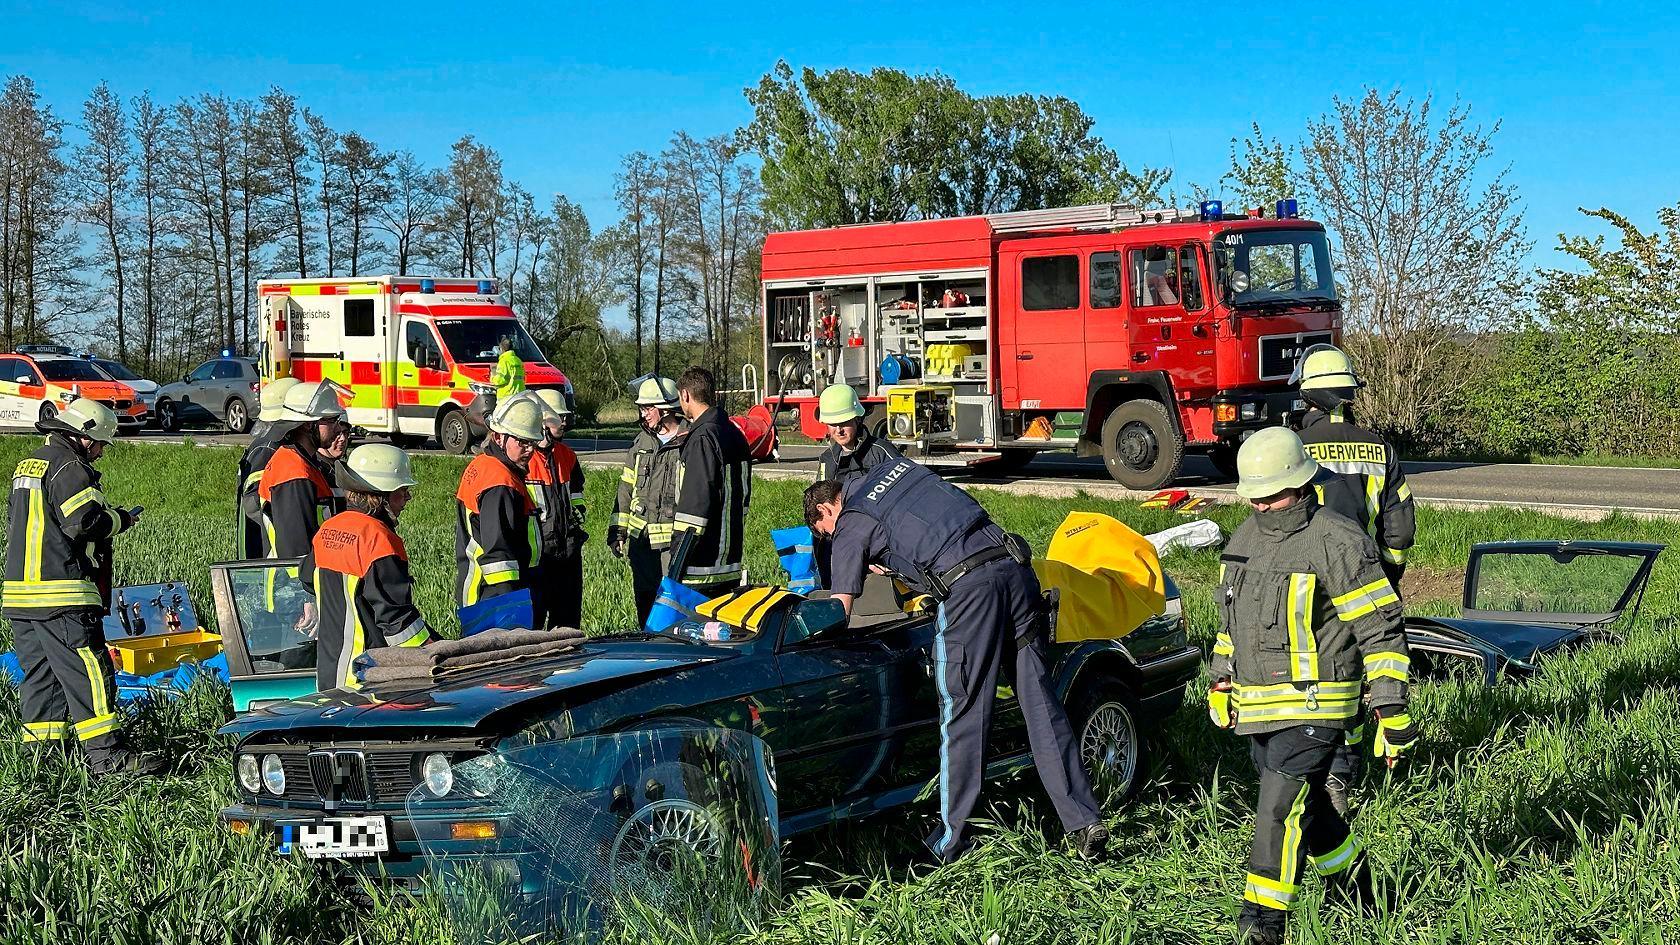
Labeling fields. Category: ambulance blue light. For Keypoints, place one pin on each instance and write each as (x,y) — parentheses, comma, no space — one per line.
(428,286)
(486,287)
(1287,209)
(1212,210)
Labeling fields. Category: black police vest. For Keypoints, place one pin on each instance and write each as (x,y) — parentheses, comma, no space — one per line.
(922,515)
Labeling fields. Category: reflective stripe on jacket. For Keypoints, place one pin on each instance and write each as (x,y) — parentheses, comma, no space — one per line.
(714,488)
(496,538)
(58,535)
(1371,466)
(647,488)
(555,482)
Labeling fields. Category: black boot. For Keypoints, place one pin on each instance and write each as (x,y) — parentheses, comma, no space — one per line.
(1091,841)
(126,761)
(1260,926)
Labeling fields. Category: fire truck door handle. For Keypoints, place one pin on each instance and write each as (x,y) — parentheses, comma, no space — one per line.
(1024,356)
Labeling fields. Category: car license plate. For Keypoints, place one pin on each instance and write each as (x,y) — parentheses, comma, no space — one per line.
(337,838)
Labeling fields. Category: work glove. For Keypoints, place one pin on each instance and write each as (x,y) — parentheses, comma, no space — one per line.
(1395,733)
(1219,705)
(617,539)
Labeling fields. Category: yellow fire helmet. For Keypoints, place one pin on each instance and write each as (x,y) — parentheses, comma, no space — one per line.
(520,418)
(1324,366)
(83,417)
(272,400)
(554,401)
(657,392)
(317,400)
(376,467)
(839,403)
(1271,461)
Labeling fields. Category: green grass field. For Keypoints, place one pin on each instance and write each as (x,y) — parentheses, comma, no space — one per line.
(1541,812)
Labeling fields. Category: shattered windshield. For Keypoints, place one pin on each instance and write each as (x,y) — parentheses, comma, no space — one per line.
(1538,582)
(1256,267)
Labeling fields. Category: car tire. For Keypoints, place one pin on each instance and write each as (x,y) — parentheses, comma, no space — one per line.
(48,412)
(168,416)
(454,433)
(237,415)
(1111,745)
(1141,447)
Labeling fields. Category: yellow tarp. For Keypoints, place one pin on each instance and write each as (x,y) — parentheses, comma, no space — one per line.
(1109,577)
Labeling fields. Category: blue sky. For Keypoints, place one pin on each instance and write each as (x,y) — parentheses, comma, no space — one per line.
(1587,93)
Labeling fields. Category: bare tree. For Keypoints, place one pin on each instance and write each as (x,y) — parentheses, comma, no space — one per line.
(365,174)
(289,154)
(323,150)
(149,143)
(714,200)
(474,178)
(414,208)
(634,189)
(1431,244)
(102,171)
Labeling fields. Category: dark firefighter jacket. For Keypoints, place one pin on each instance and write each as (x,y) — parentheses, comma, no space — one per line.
(835,463)
(647,488)
(264,440)
(296,498)
(555,481)
(364,595)
(1372,466)
(714,486)
(58,535)
(496,540)
(1307,617)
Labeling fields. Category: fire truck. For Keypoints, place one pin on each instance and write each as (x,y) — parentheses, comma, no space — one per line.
(416,352)
(1137,336)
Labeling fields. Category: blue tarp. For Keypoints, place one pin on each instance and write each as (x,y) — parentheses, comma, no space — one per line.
(169,683)
(510,611)
(675,602)
(797,550)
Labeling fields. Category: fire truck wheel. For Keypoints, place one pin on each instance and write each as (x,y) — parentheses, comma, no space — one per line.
(454,435)
(238,417)
(1140,446)
(1224,458)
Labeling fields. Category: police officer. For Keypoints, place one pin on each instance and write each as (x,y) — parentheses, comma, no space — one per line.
(714,487)
(265,438)
(358,567)
(58,588)
(645,507)
(1375,493)
(555,482)
(497,545)
(937,537)
(1308,618)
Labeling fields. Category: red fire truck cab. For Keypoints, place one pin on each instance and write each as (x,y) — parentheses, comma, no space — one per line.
(1133,335)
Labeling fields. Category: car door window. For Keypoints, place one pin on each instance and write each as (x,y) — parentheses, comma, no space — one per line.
(1105,280)
(226,371)
(422,346)
(1166,275)
(1050,283)
(10,369)
(201,373)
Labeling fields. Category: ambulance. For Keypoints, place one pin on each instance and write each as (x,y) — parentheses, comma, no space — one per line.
(416,352)
(36,381)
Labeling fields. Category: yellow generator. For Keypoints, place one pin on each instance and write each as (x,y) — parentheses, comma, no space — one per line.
(921,414)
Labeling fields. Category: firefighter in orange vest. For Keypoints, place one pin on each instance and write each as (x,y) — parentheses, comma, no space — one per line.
(497,547)
(358,567)
(555,481)
(296,490)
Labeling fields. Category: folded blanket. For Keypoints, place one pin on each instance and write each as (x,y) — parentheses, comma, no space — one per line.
(490,648)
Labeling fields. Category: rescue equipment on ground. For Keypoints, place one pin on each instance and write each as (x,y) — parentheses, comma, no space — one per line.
(152,628)
(1109,578)
(921,412)
(1166,499)
(1202,533)
(1194,505)
(797,550)
(508,611)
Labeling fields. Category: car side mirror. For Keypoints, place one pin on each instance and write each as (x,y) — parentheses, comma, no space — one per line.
(26,379)
(814,618)
(186,378)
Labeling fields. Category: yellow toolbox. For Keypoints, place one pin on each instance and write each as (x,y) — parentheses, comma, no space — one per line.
(144,656)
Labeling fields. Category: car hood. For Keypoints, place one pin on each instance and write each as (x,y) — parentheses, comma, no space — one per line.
(98,390)
(465,700)
(1510,640)
(143,386)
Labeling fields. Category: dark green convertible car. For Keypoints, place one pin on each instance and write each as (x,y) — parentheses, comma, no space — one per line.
(848,714)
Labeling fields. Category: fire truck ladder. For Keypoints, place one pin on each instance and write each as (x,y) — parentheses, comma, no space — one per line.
(1095,216)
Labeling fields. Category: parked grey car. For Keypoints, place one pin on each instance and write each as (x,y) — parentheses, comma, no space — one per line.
(221,390)
(145,389)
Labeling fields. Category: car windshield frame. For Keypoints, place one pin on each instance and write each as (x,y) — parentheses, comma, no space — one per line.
(116,369)
(452,333)
(1233,245)
(47,364)
(1641,557)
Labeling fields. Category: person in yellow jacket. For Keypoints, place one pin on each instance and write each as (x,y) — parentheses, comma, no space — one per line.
(509,374)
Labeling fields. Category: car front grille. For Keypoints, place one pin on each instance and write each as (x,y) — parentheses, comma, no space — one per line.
(339,775)
(354,774)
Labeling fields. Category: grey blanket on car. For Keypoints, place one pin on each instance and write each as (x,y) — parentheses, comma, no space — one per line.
(441,657)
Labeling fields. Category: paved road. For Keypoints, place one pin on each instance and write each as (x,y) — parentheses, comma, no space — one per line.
(1584,490)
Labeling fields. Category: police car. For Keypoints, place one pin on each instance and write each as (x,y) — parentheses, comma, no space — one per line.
(37,380)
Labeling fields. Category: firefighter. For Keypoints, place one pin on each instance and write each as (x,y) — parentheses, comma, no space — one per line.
(265,437)
(902,516)
(645,507)
(1308,618)
(296,492)
(1380,500)
(555,482)
(58,588)
(714,487)
(852,450)
(358,567)
(497,546)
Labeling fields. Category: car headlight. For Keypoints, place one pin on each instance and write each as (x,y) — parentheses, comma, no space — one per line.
(250,773)
(482,775)
(479,387)
(273,775)
(436,774)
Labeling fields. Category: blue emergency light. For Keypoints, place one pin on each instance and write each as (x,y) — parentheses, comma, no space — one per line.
(1287,209)
(1212,210)
(428,286)
(227,352)
(486,287)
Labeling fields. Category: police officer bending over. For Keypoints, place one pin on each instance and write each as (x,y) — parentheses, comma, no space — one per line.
(933,534)
(1308,617)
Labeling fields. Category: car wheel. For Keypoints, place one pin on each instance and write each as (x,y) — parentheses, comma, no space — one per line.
(454,434)
(48,412)
(168,417)
(1140,446)
(664,838)
(1109,744)
(238,416)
